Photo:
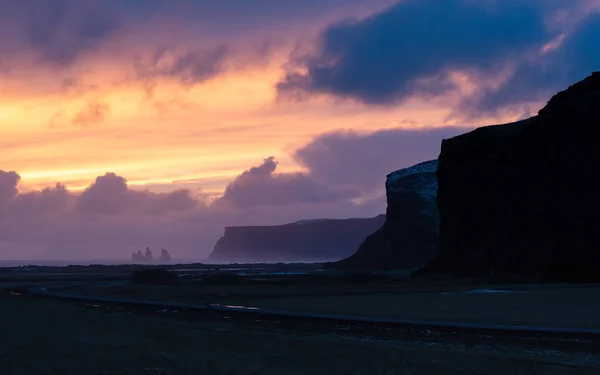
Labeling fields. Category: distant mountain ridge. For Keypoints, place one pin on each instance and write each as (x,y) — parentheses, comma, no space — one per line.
(320,240)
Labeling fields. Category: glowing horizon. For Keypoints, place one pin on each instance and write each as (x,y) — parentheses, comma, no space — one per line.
(229,123)
(166,121)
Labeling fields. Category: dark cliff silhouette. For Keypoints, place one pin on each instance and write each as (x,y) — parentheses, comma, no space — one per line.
(303,241)
(521,199)
(409,236)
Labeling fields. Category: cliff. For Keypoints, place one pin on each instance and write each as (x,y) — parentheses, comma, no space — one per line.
(521,199)
(304,241)
(409,236)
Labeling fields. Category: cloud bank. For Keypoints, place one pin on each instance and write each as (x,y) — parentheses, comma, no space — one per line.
(416,47)
(261,186)
(344,177)
(82,80)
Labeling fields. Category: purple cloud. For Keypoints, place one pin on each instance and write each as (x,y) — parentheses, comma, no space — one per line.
(261,186)
(380,59)
(52,201)
(361,161)
(409,50)
(110,195)
(345,175)
(190,67)
(8,186)
(575,57)
(62,30)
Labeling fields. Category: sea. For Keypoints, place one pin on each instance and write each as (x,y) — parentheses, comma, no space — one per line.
(60,263)
(64,263)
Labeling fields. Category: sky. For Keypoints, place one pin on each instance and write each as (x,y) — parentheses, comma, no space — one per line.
(127,123)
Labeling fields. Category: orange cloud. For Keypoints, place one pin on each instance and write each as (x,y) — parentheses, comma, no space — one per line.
(164,106)
(180,132)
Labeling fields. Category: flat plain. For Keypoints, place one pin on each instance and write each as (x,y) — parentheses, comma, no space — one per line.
(542,305)
(44,336)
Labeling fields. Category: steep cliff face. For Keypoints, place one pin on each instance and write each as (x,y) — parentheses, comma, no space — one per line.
(522,199)
(304,241)
(409,236)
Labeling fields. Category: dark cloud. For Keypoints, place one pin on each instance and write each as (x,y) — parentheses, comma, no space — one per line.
(361,161)
(574,58)
(409,49)
(261,186)
(62,30)
(381,59)
(241,17)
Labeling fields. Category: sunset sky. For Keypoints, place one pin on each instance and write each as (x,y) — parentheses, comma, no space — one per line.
(164,121)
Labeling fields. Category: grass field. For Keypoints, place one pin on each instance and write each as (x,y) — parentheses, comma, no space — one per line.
(48,337)
(556,306)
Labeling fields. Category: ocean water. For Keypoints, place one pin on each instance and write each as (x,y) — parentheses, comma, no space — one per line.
(60,263)
(64,263)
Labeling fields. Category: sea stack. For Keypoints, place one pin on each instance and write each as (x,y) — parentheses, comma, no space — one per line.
(148,257)
(165,257)
(137,257)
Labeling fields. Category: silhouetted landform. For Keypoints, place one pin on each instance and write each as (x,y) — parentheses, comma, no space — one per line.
(137,257)
(302,241)
(521,199)
(165,257)
(153,276)
(148,257)
(409,236)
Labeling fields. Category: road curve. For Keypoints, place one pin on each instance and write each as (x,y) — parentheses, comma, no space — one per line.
(454,327)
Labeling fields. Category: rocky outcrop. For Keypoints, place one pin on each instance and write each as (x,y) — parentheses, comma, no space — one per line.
(137,257)
(521,199)
(409,236)
(148,257)
(303,241)
(165,257)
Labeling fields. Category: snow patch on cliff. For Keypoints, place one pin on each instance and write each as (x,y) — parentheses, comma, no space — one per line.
(424,167)
(420,180)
